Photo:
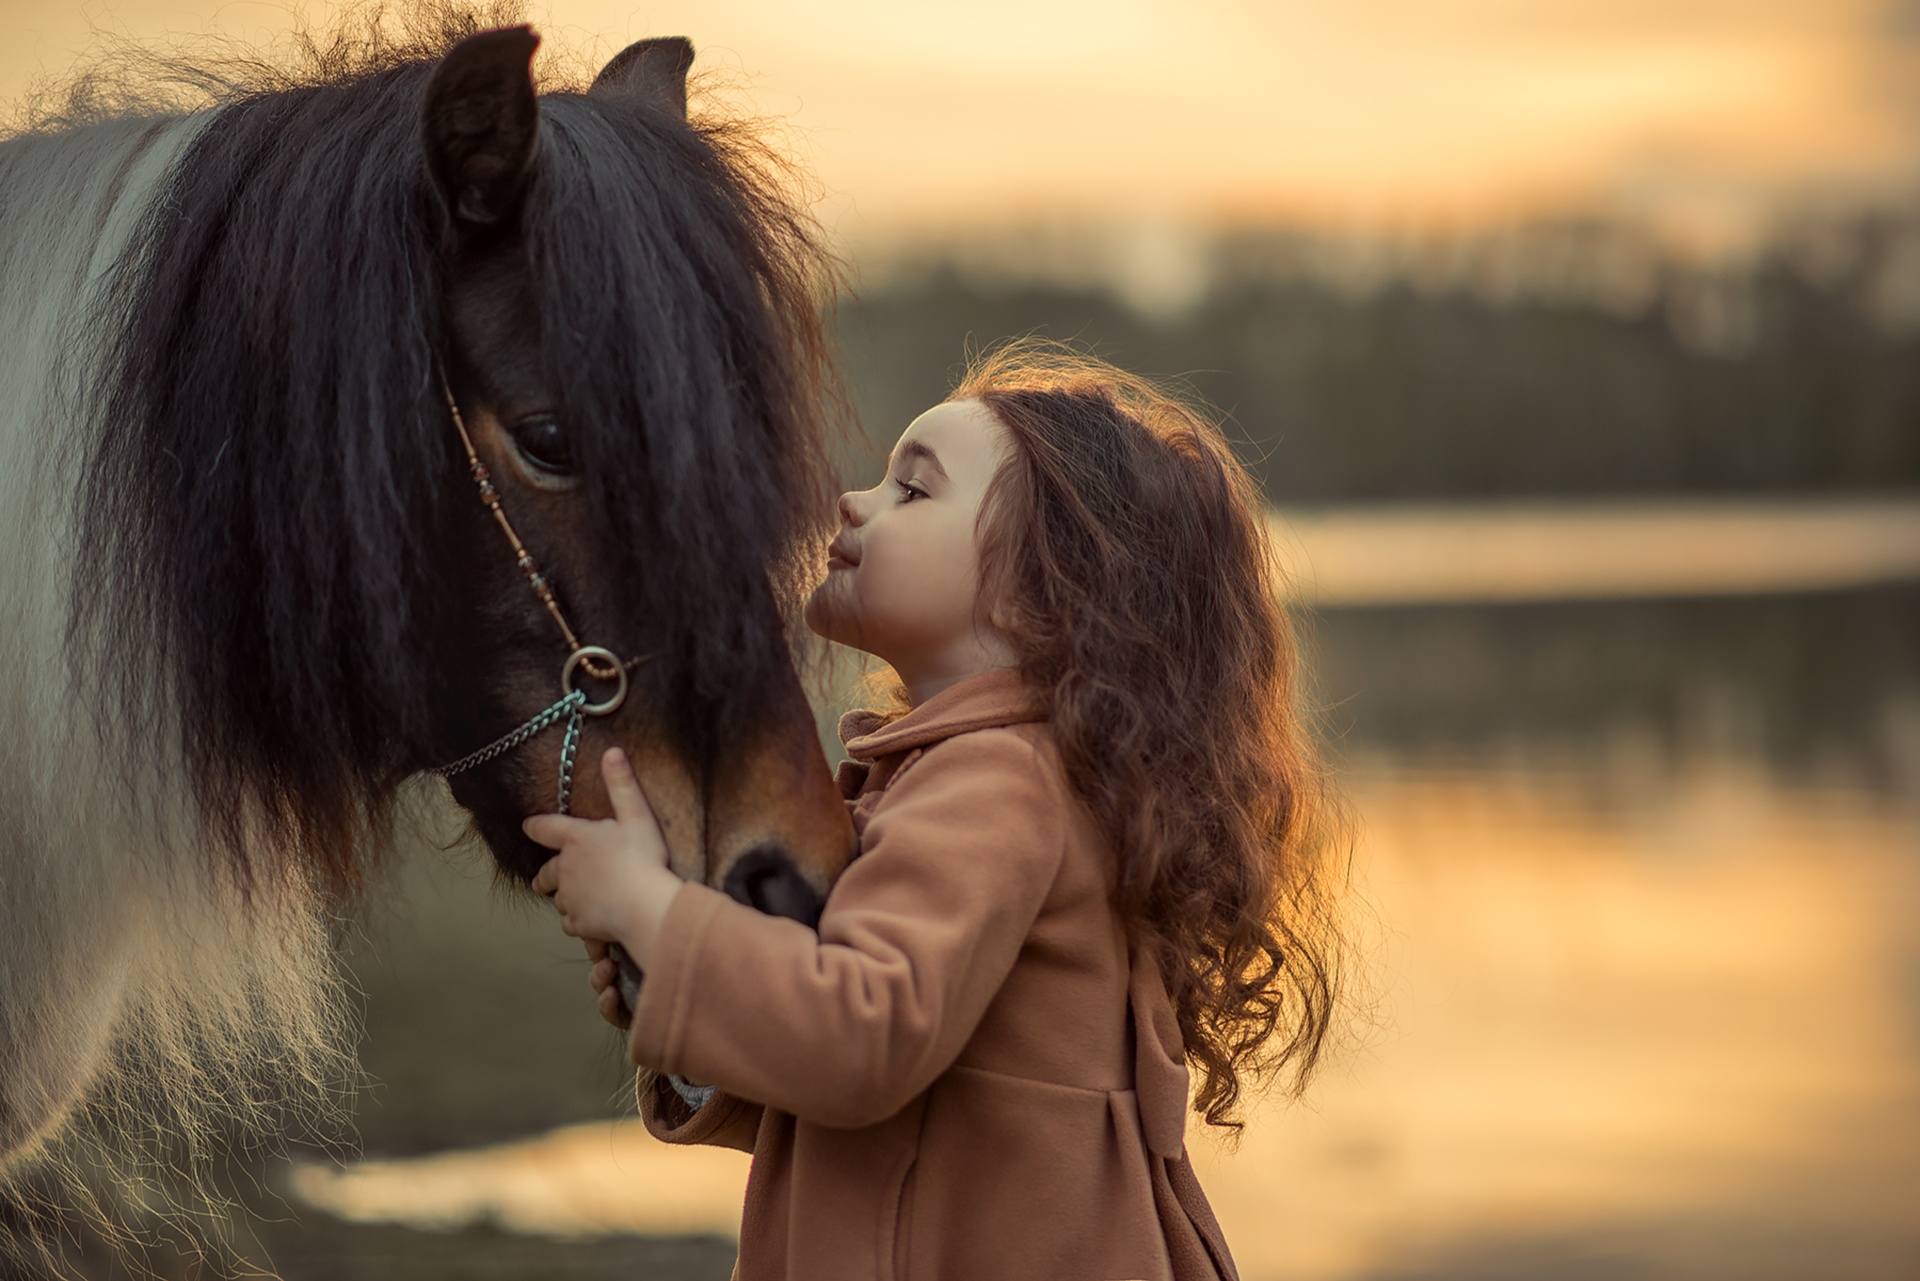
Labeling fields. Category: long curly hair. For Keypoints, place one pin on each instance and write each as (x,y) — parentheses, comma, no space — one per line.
(1124,554)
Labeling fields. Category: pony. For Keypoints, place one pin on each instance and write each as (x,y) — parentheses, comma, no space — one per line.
(371,418)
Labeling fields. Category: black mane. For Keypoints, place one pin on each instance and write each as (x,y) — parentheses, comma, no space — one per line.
(274,483)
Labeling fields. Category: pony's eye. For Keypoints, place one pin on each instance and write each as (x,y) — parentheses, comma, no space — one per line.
(544,444)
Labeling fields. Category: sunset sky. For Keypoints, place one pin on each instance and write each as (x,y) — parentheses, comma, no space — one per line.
(1704,115)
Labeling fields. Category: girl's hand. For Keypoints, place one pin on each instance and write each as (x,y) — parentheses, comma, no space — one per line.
(609,879)
(603,975)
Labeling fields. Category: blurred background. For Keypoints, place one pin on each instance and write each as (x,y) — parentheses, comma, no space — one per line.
(1576,346)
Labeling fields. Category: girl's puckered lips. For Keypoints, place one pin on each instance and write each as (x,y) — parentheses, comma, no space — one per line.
(841,556)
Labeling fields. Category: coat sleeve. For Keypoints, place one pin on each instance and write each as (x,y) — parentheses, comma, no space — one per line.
(844,1028)
(725,1121)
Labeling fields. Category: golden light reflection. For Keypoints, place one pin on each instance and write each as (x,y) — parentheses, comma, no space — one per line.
(1686,1012)
(1594,1022)
(1620,549)
(577,1181)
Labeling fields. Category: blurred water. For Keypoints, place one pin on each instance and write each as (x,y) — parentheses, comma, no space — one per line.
(1481,553)
(1675,1037)
(1637,885)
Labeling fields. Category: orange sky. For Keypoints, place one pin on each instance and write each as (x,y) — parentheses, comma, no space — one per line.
(1337,113)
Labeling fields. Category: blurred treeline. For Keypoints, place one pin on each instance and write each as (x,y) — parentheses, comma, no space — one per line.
(1566,359)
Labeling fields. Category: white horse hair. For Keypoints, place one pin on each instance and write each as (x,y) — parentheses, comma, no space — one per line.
(142,993)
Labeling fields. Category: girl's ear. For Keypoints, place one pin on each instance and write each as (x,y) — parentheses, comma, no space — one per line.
(1000,616)
(480,125)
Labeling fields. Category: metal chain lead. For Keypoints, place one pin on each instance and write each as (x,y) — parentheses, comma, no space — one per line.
(568,707)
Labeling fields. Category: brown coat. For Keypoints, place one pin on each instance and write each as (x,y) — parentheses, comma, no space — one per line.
(949,1079)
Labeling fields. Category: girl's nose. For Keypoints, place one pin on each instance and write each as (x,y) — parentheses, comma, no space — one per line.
(848,511)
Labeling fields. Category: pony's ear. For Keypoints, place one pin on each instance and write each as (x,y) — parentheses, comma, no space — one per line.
(480,124)
(650,71)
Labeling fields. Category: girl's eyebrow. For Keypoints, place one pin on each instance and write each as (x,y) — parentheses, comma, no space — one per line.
(917,449)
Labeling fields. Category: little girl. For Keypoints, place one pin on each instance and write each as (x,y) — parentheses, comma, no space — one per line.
(1088,846)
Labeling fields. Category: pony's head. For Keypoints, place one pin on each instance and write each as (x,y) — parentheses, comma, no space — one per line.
(623,305)
(636,351)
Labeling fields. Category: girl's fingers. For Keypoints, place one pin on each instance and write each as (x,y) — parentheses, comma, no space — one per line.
(623,789)
(596,949)
(549,830)
(601,975)
(547,879)
(612,1011)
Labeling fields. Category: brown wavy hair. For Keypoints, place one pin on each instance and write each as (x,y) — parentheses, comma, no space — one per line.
(1124,554)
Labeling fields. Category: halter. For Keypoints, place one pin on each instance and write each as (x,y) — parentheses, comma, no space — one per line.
(597,661)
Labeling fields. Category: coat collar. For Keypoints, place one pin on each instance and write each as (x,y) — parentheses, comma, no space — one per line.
(991,699)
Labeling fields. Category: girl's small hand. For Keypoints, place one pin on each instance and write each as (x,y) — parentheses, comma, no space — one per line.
(603,976)
(609,879)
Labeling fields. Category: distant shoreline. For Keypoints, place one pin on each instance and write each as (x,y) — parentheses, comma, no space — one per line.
(1381,554)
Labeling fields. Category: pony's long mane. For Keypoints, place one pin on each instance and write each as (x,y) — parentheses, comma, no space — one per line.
(269,494)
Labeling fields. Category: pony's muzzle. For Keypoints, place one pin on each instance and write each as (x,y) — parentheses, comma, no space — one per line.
(765,878)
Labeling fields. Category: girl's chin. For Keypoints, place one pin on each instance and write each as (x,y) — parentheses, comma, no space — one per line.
(832,624)
(821,616)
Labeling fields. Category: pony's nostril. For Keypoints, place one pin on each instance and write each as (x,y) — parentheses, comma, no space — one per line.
(765,878)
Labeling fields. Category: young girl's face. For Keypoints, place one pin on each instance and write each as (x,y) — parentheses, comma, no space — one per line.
(903,573)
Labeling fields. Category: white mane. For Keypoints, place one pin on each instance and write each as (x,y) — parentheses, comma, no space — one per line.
(148,1009)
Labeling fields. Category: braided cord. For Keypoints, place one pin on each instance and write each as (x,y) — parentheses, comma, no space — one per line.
(568,746)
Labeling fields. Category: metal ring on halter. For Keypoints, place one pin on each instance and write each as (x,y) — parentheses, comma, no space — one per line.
(590,654)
